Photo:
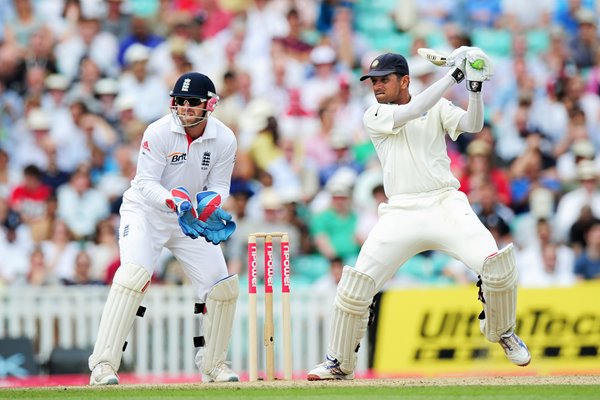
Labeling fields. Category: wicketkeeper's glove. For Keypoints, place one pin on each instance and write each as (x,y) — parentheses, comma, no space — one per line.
(219,224)
(188,221)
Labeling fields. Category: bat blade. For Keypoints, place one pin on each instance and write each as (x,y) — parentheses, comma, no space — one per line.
(433,57)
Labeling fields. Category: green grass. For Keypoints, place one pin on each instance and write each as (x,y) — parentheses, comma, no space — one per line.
(240,392)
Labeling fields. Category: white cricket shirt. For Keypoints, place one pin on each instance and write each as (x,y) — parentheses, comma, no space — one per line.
(168,158)
(414,156)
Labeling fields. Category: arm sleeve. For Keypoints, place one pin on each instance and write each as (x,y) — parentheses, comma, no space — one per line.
(219,178)
(151,164)
(422,102)
(472,120)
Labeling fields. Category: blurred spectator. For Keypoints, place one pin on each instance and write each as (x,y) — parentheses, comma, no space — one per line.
(90,40)
(19,30)
(9,176)
(480,168)
(549,265)
(327,284)
(39,273)
(60,250)
(585,46)
(368,216)
(334,229)
(140,34)
(587,265)
(324,83)
(80,205)
(29,198)
(147,88)
(103,250)
(116,21)
(15,245)
(495,216)
(578,231)
(81,273)
(570,205)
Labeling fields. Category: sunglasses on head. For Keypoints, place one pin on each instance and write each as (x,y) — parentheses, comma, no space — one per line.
(192,101)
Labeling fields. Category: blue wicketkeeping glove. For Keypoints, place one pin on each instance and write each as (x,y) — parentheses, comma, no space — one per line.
(219,224)
(181,203)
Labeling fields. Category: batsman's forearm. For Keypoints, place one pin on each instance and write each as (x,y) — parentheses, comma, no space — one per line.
(472,121)
(423,101)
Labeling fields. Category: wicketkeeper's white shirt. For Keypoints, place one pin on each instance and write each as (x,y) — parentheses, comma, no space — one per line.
(413,156)
(168,158)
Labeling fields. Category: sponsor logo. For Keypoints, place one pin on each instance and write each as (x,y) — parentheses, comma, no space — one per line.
(146,146)
(177,158)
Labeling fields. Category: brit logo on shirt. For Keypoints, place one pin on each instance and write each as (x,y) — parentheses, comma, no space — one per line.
(206,160)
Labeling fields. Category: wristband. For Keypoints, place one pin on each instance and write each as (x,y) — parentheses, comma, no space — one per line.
(457,75)
(474,86)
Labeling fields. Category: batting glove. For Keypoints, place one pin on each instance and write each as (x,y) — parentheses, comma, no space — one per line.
(219,224)
(188,221)
(478,69)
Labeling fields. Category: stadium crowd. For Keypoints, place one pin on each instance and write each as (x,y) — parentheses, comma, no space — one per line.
(80,80)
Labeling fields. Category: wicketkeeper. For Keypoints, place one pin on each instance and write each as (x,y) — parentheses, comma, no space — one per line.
(426,211)
(187,151)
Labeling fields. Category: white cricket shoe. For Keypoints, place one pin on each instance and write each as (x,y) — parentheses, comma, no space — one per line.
(329,370)
(516,351)
(221,373)
(103,374)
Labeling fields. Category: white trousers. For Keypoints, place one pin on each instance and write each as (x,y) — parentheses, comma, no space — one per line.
(441,220)
(144,232)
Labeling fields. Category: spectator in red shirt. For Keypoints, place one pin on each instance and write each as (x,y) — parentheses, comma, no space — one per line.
(29,198)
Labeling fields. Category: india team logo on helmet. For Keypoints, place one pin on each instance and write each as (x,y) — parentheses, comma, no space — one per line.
(193,89)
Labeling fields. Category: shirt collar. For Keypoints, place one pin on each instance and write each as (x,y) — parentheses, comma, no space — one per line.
(210,132)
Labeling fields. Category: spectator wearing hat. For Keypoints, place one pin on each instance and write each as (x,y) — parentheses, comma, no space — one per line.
(146,87)
(54,100)
(325,79)
(30,145)
(106,91)
(571,204)
(334,228)
(343,157)
(585,45)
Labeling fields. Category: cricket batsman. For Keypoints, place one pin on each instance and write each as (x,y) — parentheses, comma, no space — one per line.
(425,211)
(186,151)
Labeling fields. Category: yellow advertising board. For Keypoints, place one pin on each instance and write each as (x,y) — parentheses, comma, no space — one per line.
(435,331)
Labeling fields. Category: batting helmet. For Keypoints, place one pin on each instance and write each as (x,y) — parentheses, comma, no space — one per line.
(194,84)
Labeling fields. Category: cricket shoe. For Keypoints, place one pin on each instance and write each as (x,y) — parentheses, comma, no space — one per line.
(516,351)
(103,374)
(329,370)
(221,373)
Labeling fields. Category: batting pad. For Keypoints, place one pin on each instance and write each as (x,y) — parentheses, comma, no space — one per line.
(350,316)
(218,321)
(125,296)
(499,284)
